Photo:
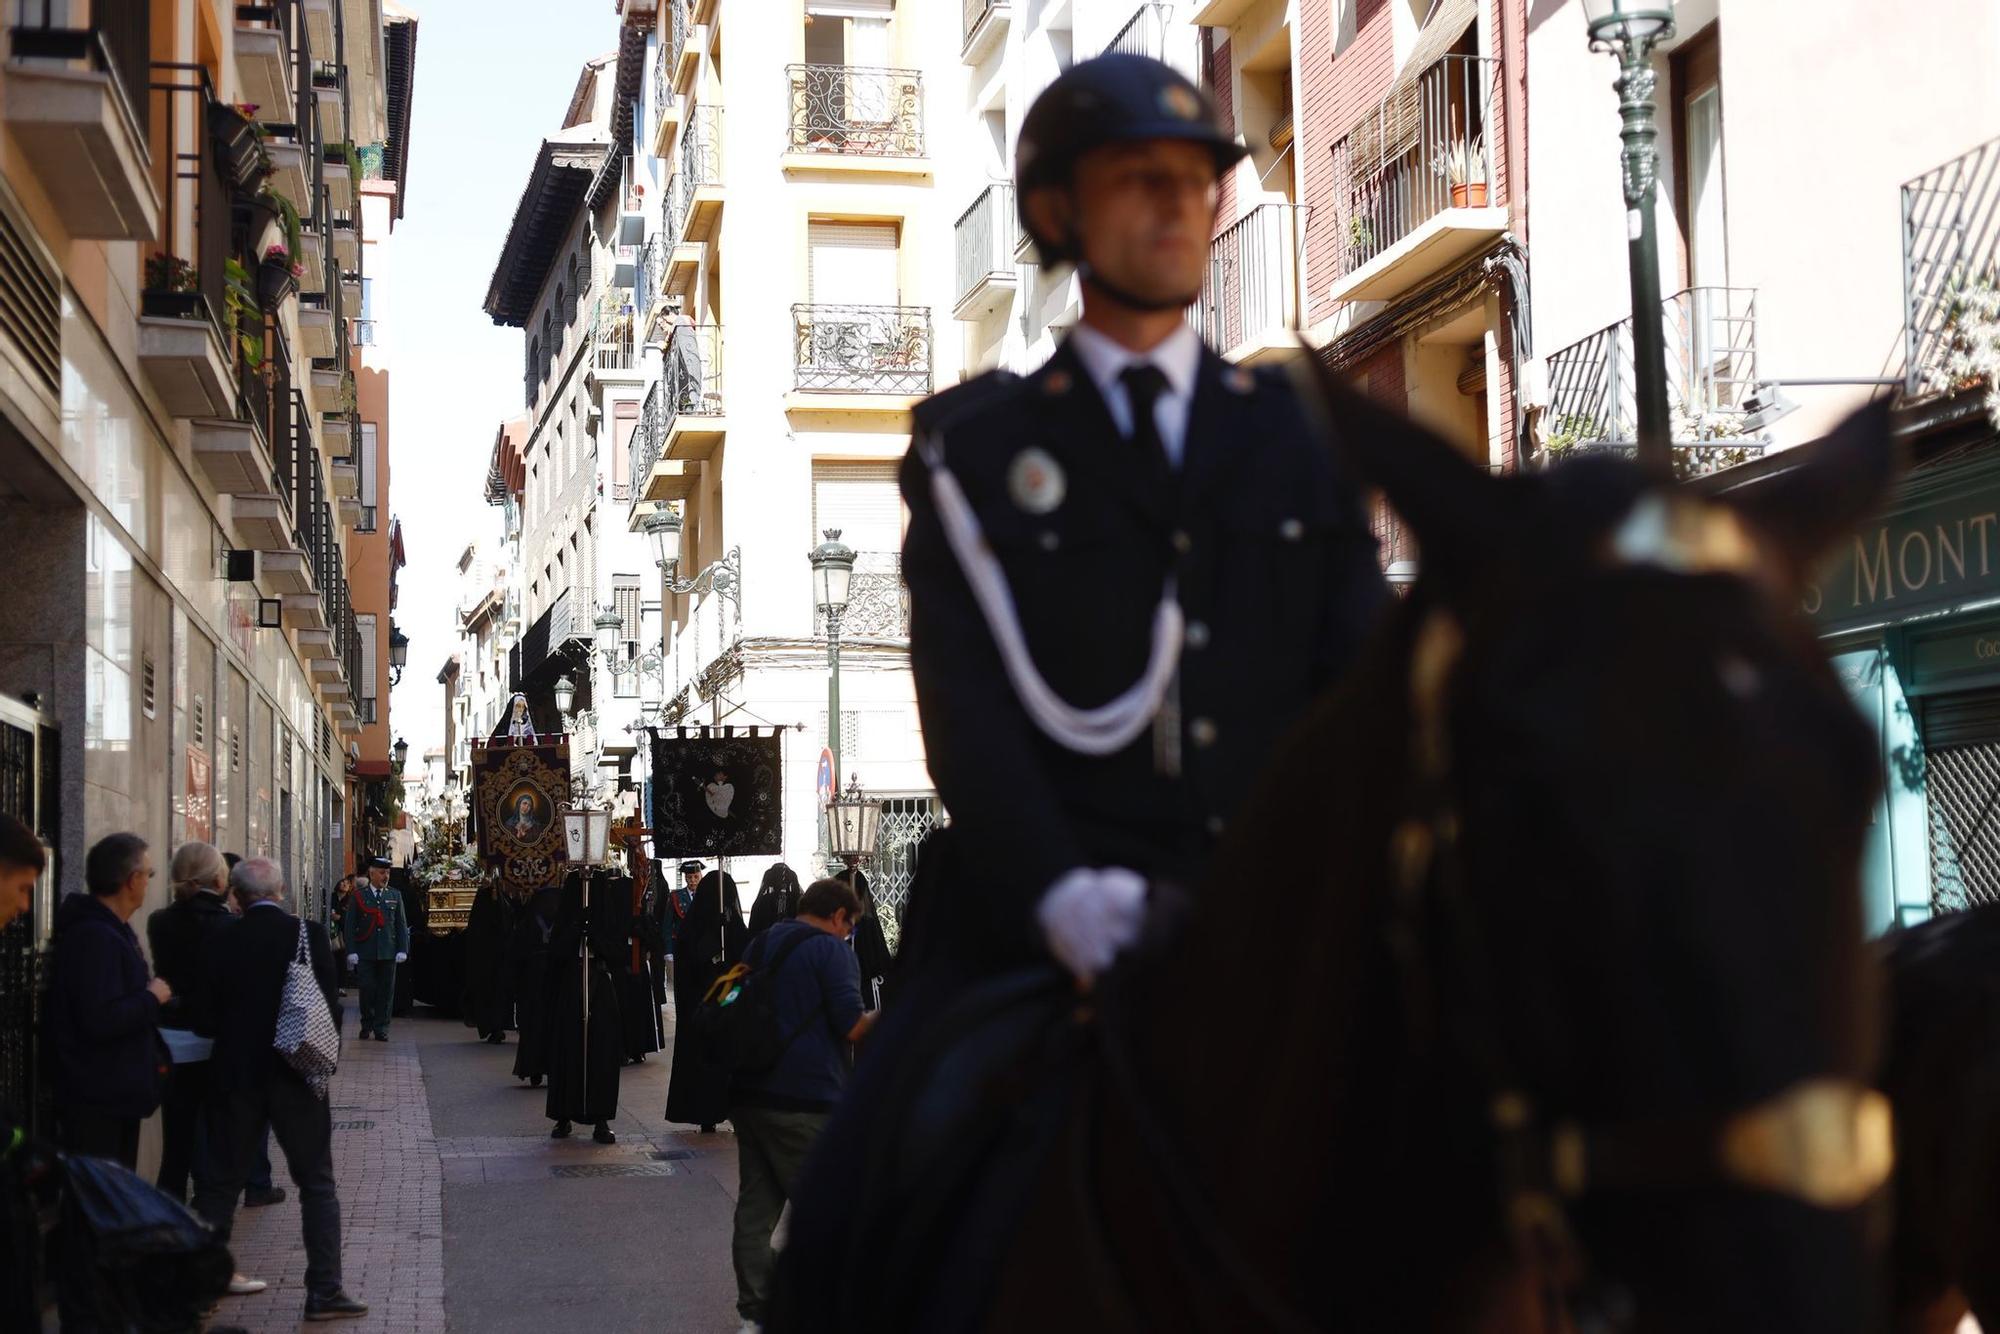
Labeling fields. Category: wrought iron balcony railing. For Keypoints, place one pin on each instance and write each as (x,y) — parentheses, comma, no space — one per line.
(614,342)
(648,439)
(850,110)
(975,12)
(862,349)
(649,276)
(700,165)
(1144,34)
(691,384)
(1426,147)
(1951,270)
(984,237)
(1711,335)
(116,38)
(1252,287)
(677,31)
(877,602)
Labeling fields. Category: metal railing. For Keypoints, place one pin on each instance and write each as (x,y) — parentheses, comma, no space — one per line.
(1711,336)
(975,13)
(117,39)
(984,237)
(1251,289)
(1951,267)
(700,165)
(862,349)
(649,274)
(195,223)
(848,109)
(1144,34)
(692,378)
(614,342)
(877,603)
(677,30)
(648,439)
(1424,148)
(666,54)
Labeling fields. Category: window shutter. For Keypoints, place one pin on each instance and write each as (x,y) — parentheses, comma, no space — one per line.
(852,264)
(860,499)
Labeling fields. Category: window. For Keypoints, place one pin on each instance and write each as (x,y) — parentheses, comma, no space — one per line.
(364,625)
(849,32)
(367,466)
(1698,194)
(861,500)
(625,601)
(853,264)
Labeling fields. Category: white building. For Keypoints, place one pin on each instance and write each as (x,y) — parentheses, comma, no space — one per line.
(797,201)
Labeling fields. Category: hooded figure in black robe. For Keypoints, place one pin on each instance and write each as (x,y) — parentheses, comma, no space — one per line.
(777,899)
(584,1060)
(709,943)
(527,970)
(871,946)
(646,982)
(486,1005)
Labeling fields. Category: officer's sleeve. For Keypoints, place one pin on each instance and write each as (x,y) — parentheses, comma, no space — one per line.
(1356,592)
(976,735)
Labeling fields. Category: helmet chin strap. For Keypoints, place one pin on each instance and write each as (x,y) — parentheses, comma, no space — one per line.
(1125,296)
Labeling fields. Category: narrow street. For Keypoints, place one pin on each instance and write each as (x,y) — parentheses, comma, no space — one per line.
(460,1213)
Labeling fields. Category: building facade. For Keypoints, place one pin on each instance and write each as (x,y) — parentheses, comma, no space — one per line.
(180,226)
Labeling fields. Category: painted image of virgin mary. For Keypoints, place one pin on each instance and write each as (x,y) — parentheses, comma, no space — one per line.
(525,822)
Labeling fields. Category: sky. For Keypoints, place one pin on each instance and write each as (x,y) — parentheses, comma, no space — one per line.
(493,78)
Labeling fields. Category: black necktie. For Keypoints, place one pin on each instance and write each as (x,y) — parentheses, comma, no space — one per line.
(1143,386)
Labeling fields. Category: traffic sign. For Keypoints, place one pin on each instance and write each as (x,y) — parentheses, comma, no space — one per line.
(826,781)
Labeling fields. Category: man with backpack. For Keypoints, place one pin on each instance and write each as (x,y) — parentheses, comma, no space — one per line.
(800,998)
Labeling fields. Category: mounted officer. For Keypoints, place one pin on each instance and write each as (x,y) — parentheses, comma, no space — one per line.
(1130,572)
(378,938)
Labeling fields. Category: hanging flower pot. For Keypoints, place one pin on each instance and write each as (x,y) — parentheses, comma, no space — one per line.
(277,278)
(239,147)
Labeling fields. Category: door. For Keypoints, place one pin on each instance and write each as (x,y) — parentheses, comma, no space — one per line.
(28,792)
(1709,322)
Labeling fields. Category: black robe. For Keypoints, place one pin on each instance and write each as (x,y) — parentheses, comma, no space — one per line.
(487,1005)
(583,1068)
(639,1015)
(527,984)
(871,946)
(775,902)
(709,942)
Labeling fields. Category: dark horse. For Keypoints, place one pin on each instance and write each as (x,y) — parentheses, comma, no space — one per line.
(1573,1027)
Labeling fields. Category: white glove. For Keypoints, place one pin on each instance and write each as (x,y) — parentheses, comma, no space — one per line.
(401,957)
(353,961)
(1088,915)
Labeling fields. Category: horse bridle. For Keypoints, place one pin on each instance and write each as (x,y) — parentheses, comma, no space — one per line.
(1826,1142)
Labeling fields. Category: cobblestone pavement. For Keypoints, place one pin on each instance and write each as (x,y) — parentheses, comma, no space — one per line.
(460,1213)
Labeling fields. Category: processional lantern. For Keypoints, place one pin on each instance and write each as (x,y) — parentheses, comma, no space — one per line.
(586,835)
(853,819)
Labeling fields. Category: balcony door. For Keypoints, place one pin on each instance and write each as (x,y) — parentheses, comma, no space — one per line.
(1707,319)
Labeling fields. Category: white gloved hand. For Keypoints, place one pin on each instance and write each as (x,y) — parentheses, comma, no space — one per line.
(1088,915)
(401,957)
(353,961)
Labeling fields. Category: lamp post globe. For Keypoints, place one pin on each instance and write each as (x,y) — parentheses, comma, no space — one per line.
(1629,20)
(401,752)
(565,692)
(854,822)
(663,529)
(608,624)
(833,572)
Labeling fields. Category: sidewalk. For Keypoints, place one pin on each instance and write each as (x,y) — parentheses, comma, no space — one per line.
(460,1213)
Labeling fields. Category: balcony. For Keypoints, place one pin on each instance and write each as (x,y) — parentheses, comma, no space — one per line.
(1415,184)
(690,400)
(986,24)
(1150,32)
(291,166)
(877,602)
(1711,336)
(862,349)
(312,256)
(1250,305)
(984,238)
(264,58)
(614,342)
(232,457)
(845,117)
(654,476)
(77,102)
(1951,272)
(329,85)
(694,195)
(666,105)
(315,327)
(319,23)
(688,39)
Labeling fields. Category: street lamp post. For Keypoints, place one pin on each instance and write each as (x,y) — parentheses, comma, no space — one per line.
(1630,29)
(833,569)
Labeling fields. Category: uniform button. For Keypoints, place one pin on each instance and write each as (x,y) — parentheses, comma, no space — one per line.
(1292,530)
(1050,541)
(1202,732)
(1215,825)
(1197,634)
(1182,542)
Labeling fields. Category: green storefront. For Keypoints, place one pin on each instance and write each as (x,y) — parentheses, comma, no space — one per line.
(1911,611)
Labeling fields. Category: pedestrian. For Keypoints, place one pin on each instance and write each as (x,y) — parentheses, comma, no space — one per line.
(259,1190)
(779,1113)
(23,859)
(586,1043)
(336,926)
(378,938)
(104,1007)
(777,899)
(711,941)
(485,1005)
(527,983)
(1096,712)
(179,936)
(255,1086)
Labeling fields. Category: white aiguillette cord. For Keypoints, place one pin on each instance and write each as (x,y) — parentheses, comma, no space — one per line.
(1104,730)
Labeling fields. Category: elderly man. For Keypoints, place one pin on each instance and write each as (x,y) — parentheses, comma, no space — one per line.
(378,938)
(247,963)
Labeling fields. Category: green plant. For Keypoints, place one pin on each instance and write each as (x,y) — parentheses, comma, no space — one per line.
(243,318)
(170,273)
(1570,430)
(1970,354)
(1360,233)
(288,213)
(1465,161)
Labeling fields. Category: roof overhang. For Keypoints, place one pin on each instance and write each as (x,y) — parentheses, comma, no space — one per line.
(399,50)
(562,173)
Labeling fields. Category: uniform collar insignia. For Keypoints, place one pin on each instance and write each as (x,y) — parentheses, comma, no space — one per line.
(1239,380)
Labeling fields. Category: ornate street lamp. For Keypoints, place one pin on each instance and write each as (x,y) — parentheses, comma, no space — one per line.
(663,529)
(399,654)
(1630,30)
(832,574)
(853,822)
(401,752)
(565,696)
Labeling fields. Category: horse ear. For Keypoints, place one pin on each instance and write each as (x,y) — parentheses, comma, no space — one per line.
(1834,484)
(1453,507)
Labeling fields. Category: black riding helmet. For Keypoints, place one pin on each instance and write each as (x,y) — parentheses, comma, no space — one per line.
(1110,99)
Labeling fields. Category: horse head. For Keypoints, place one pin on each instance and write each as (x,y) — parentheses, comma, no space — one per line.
(1612,945)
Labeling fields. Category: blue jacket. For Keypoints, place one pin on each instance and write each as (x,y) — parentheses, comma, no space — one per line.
(103,1024)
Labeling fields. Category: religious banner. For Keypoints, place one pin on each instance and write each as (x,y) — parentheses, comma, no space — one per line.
(518,793)
(200,813)
(718,794)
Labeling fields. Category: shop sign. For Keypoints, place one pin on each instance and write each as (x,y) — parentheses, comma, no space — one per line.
(1928,558)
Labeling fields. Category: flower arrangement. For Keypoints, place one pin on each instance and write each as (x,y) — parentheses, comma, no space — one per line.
(170,273)
(1971,351)
(283,256)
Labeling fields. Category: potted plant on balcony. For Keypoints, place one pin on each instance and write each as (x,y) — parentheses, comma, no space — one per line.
(239,145)
(1465,168)
(277,277)
(1969,353)
(243,318)
(173,288)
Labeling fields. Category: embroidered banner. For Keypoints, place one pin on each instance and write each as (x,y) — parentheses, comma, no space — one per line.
(518,796)
(718,796)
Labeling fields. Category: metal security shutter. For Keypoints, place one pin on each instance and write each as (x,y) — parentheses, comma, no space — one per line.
(30,301)
(852,264)
(1961,734)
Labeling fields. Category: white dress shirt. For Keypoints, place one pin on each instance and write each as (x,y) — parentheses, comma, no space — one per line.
(1178,357)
